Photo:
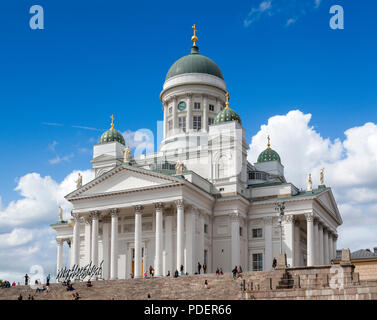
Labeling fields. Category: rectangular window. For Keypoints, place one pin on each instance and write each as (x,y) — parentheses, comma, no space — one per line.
(211,121)
(240,231)
(170,124)
(257,261)
(257,233)
(182,123)
(197,105)
(197,123)
(205,228)
(211,107)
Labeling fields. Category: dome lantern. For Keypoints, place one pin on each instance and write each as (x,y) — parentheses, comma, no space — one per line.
(112,135)
(269,154)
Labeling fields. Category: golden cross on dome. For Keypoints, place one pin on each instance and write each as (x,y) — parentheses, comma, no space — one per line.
(269,142)
(227,100)
(112,121)
(194,38)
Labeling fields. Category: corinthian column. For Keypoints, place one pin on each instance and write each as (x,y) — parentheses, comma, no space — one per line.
(76,239)
(310,238)
(289,240)
(94,215)
(114,245)
(138,213)
(236,241)
(180,232)
(158,258)
(59,261)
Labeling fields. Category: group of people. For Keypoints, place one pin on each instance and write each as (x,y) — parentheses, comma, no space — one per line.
(200,268)
(6,284)
(237,271)
(219,271)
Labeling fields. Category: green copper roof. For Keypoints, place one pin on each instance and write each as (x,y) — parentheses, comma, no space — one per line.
(268,155)
(194,63)
(112,135)
(227,115)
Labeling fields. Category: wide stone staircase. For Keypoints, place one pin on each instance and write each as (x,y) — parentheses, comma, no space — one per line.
(184,287)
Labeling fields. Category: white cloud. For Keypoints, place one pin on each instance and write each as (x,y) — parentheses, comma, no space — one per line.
(350,168)
(52,145)
(17,237)
(284,8)
(59,159)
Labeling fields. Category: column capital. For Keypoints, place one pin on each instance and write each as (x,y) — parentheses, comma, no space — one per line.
(309,217)
(75,216)
(159,206)
(139,209)
(94,214)
(114,212)
(179,203)
(290,218)
(335,236)
(59,241)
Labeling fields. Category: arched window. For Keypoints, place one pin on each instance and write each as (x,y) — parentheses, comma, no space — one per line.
(221,167)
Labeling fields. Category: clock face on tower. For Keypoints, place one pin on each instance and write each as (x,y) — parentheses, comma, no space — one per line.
(181,106)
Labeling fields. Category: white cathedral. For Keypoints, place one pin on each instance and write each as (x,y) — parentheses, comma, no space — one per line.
(196,200)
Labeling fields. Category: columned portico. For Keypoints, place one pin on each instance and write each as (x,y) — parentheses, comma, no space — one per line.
(325,246)
(76,239)
(316,237)
(289,240)
(310,238)
(114,244)
(138,230)
(320,244)
(95,215)
(331,250)
(180,232)
(59,261)
(158,240)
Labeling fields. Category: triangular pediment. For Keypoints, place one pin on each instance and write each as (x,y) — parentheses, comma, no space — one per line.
(327,200)
(123,179)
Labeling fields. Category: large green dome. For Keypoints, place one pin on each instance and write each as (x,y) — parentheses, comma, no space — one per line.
(227,115)
(268,155)
(194,63)
(111,136)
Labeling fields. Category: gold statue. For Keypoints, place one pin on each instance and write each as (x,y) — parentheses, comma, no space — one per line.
(227,96)
(194,38)
(112,121)
(269,142)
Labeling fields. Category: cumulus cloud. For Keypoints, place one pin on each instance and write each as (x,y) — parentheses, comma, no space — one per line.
(350,168)
(26,238)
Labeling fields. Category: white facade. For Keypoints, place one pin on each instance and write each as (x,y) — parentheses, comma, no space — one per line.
(220,211)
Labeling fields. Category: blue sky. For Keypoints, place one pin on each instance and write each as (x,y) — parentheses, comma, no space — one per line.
(97,58)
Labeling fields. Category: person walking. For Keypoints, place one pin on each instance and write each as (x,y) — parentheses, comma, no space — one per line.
(199,267)
(150,270)
(181,269)
(26,279)
(204,268)
(48,280)
(235,271)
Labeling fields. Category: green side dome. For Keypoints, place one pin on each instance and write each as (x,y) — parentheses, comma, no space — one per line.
(194,63)
(268,155)
(112,135)
(227,115)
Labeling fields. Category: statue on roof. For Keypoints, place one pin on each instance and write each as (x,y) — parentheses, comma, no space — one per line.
(79,181)
(179,166)
(310,183)
(127,154)
(322,177)
(60,214)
